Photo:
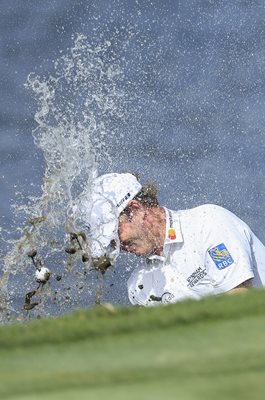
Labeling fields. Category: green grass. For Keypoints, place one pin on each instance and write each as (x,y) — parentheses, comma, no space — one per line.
(211,349)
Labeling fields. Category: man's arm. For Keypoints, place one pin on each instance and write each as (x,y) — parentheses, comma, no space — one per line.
(243,287)
(229,257)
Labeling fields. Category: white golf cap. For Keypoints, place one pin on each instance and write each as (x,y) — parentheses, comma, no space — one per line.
(110,195)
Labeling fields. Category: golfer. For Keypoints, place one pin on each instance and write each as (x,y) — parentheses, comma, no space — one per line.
(188,254)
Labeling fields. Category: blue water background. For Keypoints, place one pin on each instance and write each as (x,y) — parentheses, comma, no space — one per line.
(195,126)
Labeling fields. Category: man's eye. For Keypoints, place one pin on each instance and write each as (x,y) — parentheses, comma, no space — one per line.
(127,243)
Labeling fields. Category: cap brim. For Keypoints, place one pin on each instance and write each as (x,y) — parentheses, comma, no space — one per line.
(102,236)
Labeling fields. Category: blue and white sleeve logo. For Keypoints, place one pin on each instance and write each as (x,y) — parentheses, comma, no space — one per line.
(221,256)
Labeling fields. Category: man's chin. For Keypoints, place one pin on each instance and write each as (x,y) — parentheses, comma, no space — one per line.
(146,254)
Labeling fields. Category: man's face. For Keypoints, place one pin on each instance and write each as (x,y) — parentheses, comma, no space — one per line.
(135,233)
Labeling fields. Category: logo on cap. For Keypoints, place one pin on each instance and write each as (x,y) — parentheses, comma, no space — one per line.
(126,197)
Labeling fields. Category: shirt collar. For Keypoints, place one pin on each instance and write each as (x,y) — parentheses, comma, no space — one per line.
(173,232)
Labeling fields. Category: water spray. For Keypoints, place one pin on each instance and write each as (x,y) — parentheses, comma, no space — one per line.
(76,107)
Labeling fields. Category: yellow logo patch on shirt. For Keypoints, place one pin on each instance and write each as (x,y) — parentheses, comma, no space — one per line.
(171,234)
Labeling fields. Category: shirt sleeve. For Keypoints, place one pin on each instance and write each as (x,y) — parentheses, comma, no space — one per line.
(227,250)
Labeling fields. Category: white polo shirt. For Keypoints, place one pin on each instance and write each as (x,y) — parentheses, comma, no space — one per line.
(207,250)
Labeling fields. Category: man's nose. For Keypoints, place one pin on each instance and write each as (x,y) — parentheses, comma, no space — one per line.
(124,246)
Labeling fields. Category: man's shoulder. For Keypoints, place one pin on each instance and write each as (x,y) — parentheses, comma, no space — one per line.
(204,211)
(208,216)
